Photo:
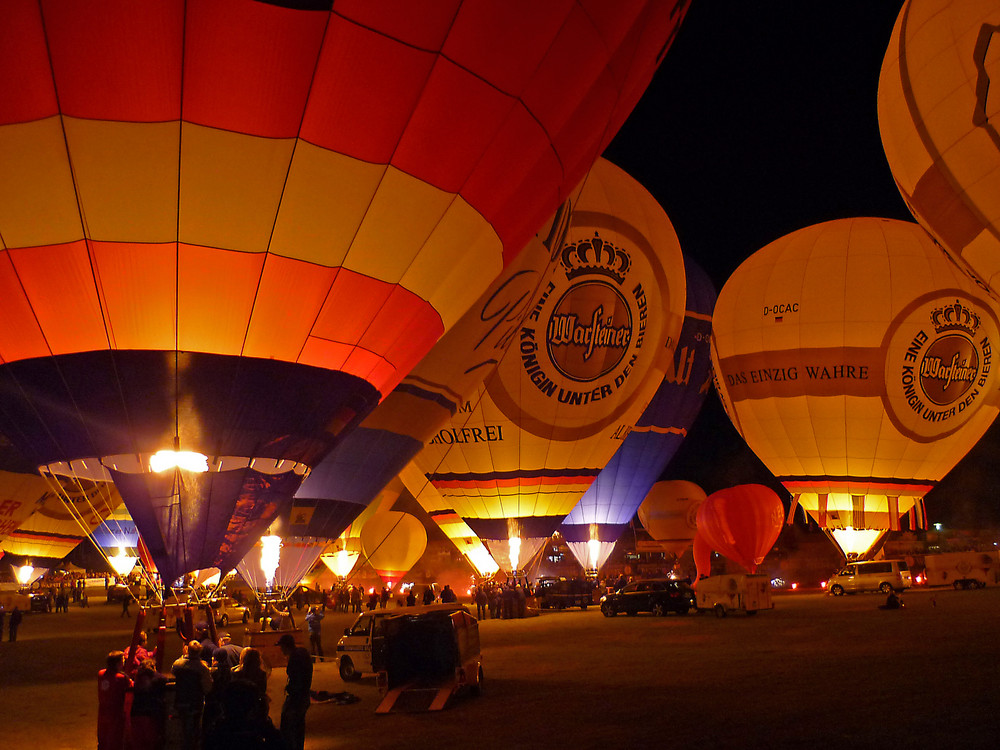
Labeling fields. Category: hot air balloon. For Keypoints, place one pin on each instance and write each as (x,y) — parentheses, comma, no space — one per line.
(344,552)
(595,523)
(938,116)
(856,361)
(118,540)
(587,360)
(457,530)
(393,541)
(670,513)
(61,519)
(742,523)
(230,228)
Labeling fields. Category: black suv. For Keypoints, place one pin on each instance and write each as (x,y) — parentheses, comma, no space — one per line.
(657,596)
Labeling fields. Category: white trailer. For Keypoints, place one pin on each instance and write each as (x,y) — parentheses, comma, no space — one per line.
(962,570)
(733,593)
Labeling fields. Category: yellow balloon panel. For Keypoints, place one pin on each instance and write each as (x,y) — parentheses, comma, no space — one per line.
(854,356)
(938,107)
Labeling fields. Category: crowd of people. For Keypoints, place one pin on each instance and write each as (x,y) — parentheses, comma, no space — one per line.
(213,698)
(501,600)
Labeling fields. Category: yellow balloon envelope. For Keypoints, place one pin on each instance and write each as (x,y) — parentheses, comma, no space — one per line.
(856,360)
(938,105)
(393,541)
(585,362)
(670,513)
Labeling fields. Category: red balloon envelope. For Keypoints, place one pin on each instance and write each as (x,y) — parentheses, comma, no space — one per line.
(702,557)
(742,523)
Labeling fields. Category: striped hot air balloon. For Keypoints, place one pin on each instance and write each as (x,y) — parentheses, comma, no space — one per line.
(230,227)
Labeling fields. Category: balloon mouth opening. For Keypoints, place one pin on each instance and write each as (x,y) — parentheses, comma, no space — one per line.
(187,460)
(98,469)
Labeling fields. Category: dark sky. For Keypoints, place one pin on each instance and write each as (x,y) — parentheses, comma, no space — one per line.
(762,120)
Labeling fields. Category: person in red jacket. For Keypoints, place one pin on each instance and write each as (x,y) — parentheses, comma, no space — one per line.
(112,687)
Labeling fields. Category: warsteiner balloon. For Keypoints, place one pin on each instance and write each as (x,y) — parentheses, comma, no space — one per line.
(856,360)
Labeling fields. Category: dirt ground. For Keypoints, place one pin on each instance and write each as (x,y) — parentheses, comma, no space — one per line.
(816,671)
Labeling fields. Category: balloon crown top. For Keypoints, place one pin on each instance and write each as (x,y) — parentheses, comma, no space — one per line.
(595,256)
(955,317)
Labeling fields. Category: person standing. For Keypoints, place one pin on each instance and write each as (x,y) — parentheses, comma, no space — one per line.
(15,622)
(142,653)
(428,595)
(149,707)
(192,680)
(314,619)
(447,595)
(481,601)
(126,598)
(293,711)
(112,687)
(3,617)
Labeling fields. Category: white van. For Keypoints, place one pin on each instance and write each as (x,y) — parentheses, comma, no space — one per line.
(873,575)
(354,649)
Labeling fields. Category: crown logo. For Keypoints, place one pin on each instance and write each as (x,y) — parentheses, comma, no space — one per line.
(955,317)
(595,256)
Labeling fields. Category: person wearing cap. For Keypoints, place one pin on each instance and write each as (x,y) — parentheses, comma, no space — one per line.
(227,653)
(293,711)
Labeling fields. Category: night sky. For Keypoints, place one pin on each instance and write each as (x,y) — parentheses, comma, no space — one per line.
(762,120)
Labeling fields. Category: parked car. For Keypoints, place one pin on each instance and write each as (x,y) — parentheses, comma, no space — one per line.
(227,610)
(559,593)
(658,596)
(872,575)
